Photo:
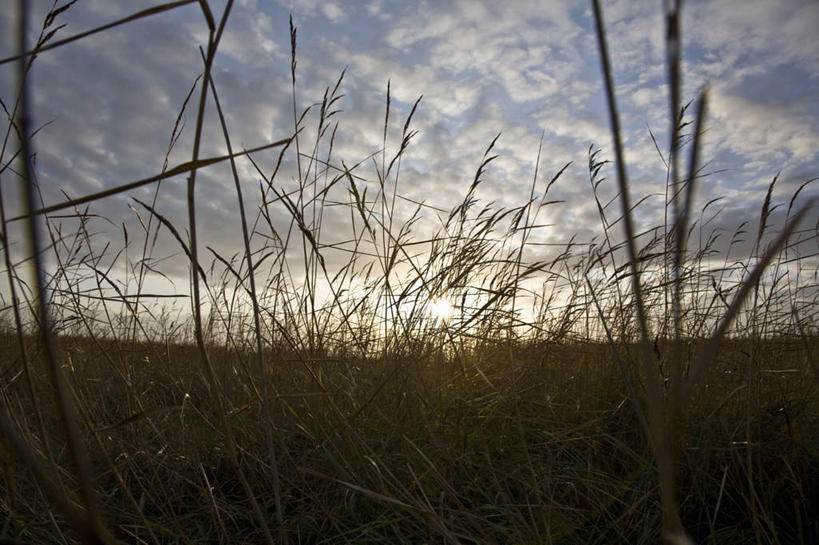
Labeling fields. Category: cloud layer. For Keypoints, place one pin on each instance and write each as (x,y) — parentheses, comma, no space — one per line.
(523,69)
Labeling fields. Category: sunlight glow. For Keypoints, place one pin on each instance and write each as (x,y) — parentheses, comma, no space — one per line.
(441,309)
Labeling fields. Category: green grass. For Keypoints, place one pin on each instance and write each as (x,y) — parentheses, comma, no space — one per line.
(619,392)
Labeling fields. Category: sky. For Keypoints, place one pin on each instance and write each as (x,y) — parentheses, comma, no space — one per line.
(528,70)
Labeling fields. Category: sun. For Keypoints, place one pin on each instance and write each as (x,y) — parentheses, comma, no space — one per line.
(441,309)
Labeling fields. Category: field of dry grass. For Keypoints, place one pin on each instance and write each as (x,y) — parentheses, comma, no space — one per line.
(648,387)
(544,446)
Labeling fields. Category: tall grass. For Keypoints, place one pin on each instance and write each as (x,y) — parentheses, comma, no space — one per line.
(635,387)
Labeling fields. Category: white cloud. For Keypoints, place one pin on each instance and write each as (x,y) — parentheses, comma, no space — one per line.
(333,11)
(773,133)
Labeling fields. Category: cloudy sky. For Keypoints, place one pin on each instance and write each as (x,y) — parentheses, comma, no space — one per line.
(519,68)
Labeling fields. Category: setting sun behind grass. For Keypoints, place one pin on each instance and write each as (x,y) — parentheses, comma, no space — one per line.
(441,309)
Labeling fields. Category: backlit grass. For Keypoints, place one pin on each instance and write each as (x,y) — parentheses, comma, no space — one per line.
(437,383)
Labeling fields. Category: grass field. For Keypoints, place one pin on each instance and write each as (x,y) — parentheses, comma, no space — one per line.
(417,451)
(434,386)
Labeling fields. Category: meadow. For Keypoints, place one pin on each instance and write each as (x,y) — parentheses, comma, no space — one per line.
(433,386)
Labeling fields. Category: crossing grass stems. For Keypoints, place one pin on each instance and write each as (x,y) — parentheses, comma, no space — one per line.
(652,388)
